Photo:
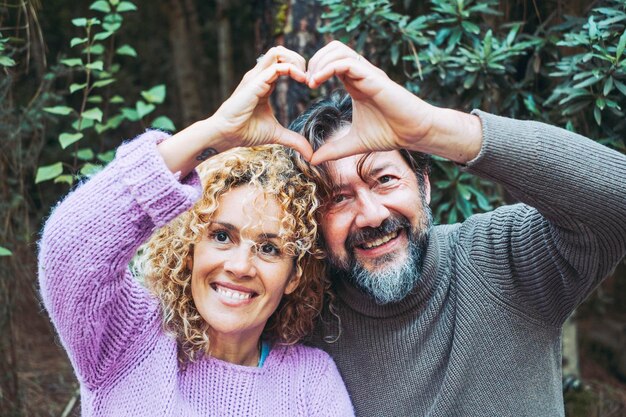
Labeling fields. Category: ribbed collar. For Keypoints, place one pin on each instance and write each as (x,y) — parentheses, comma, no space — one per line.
(433,269)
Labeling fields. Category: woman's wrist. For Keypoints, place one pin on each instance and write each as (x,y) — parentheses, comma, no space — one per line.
(186,149)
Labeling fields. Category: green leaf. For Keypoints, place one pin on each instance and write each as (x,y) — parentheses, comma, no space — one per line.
(620,46)
(5,252)
(84,124)
(126,6)
(79,22)
(77,41)
(84,154)
(114,2)
(93,114)
(144,109)
(163,123)
(5,61)
(102,83)
(608,86)
(97,65)
(106,157)
(100,6)
(126,50)
(75,87)
(48,172)
(102,36)
(621,87)
(155,94)
(95,49)
(600,103)
(116,99)
(95,99)
(68,179)
(61,110)
(130,114)
(66,139)
(597,115)
(90,169)
(471,27)
(72,62)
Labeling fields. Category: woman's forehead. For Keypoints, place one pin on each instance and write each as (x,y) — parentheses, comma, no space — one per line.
(249,207)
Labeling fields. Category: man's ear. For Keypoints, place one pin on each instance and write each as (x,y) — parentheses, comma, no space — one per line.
(427,188)
(293,283)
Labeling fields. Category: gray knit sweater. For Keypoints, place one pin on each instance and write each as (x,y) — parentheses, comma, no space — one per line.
(480,335)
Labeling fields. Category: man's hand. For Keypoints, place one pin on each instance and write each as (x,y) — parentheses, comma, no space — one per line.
(386,116)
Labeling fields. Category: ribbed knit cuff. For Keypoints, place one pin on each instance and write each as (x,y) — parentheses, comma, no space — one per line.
(155,188)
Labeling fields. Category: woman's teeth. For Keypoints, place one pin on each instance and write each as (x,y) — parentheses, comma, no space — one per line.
(235,295)
(380,241)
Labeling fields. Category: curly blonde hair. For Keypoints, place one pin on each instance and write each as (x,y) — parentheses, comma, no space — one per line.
(164,260)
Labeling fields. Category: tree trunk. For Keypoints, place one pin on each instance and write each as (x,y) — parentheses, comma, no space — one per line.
(225,51)
(292,24)
(186,46)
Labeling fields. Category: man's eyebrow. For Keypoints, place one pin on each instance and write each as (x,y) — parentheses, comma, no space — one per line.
(372,172)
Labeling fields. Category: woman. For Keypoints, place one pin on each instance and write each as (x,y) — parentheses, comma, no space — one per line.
(234,280)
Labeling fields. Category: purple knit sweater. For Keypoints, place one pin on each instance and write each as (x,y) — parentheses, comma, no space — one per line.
(111,326)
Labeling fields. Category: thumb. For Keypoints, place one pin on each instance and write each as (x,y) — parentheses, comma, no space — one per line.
(337,149)
(294,140)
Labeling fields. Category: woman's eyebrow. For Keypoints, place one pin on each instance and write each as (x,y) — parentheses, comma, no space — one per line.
(225,225)
(268,236)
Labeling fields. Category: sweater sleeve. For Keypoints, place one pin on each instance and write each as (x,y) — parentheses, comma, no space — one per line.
(546,255)
(329,397)
(87,243)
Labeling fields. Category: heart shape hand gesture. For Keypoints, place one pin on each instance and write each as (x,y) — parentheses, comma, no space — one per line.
(385,116)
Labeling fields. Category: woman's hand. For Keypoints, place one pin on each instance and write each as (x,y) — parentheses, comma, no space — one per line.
(246,118)
(386,116)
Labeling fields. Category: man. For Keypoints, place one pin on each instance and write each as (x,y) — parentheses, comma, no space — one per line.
(464,319)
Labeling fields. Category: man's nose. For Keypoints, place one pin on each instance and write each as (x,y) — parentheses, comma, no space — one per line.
(371,211)
(240,262)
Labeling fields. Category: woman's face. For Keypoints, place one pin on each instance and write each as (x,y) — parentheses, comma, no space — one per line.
(239,272)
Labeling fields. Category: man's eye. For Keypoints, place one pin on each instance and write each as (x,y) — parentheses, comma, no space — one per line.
(338,198)
(385,179)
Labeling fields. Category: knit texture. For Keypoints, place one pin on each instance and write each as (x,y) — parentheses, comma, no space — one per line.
(111,326)
(481,333)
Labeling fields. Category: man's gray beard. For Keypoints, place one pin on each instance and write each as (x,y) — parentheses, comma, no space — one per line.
(392,281)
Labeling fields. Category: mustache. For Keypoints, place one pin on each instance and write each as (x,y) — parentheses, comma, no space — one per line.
(390,224)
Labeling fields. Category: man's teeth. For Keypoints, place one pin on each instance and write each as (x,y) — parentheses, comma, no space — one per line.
(235,295)
(381,241)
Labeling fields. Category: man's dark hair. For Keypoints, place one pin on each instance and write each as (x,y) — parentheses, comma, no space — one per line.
(328,115)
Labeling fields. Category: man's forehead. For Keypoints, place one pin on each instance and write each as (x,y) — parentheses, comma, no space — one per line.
(345,170)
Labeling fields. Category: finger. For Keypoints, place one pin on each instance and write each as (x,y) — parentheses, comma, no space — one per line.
(279,54)
(332,48)
(337,149)
(337,54)
(271,74)
(293,140)
(347,67)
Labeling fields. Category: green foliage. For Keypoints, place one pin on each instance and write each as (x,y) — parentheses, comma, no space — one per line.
(99,110)
(5,60)
(592,93)
(465,54)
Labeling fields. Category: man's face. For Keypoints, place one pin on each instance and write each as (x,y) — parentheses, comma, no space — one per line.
(376,224)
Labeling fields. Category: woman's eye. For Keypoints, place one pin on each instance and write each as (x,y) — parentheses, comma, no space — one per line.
(269,249)
(221,237)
